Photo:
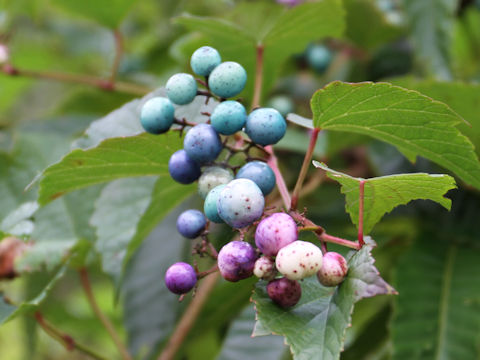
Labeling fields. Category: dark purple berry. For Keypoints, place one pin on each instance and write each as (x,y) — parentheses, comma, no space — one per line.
(284,292)
(191,223)
(180,278)
(236,260)
(182,168)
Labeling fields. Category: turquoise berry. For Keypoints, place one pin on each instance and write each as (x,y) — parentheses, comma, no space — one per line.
(240,203)
(260,173)
(157,115)
(213,176)
(210,205)
(204,60)
(318,57)
(228,117)
(181,88)
(227,79)
(265,126)
(283,104)
(202,143)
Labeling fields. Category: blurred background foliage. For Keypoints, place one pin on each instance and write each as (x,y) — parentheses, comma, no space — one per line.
(432,46)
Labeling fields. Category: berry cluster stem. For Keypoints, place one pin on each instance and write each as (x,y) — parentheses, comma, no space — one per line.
(360,211)
(118,38)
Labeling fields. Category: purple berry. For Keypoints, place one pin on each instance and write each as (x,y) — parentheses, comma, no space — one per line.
(275,232)
(202,143)
(180,278)
(191,223)
(236,260)
(284,292)
(182,168)
(334,269)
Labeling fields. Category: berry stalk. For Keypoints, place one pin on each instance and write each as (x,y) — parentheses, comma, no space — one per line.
(360,212)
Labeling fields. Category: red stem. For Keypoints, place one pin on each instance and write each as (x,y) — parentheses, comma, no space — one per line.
(340,241)
(118,55)
(282,187)
(360,212)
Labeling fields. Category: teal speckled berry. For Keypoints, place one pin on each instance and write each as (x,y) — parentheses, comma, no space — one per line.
(227,79)
(318,57)
(204,60)
(181,88)
(210,205)
(265,126)
(260,173)
(211,177)
(229,117)
(157,115)
(283,104)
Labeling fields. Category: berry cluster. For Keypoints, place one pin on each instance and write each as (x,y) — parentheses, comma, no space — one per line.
(234,195)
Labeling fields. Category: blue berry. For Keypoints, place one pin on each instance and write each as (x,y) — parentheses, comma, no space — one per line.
(157,115)
(283,104)
(240,203)
(181,89)
(191,223)
(265,126)
(236,260)
(318,57)
(212,177)
(182,168)
(180,278)
(204,60)
(229,117)
(260,173)
(210,205)
(227,79)
(202,143)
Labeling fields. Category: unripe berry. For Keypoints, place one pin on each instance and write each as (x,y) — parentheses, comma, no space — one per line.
(334,269)
(181,88)
(202,143)
(182,168)
(265,268)
(275,232)
(212,177)
(180,278)
(210,205)
(299,260)
(284,292)
(260,173)
(191,223)
(204,60)
(157,115)
(265,126)
(318,57)
(229,117)
(240,203)
(236,260)
(227,79)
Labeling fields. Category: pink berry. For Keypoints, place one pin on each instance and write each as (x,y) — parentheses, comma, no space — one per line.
(284,292)
(334,269)
(275,232)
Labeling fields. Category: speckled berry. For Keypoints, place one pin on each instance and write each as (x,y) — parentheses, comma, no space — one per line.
(157,115)
(265,126)
(275,232)
(284,292)
(265,268)
(227,79)
(212,177)
(229,117)
(180,278)
(202,143)
(210,205)
(318,57)
(204,60)
(240,203)
(283,104)
(191,223)
(260,173)
(182,168)
(181,88)
(236,260)
(299,260)
(334,269)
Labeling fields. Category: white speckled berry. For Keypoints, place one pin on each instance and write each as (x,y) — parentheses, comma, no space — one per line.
(265,268)
(204,60)
(227,79)
(275,232)
(240,203)
(212,177)
(265,126)
(181,88)
(299,260)
(333,270)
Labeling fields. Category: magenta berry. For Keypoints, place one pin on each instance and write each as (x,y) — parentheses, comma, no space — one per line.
(284,292)
(180,278)
(334,269)
(265,268)
(275,232)
(236,260)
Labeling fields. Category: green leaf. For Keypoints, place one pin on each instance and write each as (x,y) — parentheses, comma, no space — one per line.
(414,123)
(18,222)
(315,327)
(383,194)
(431,26)
(437,315)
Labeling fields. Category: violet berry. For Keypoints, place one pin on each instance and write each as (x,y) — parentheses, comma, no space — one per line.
(180,278)
(236,260)
(275,232)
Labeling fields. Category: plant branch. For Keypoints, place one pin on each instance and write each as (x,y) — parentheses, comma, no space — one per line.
(66,340)
(360,212)
(303,171)
(344,242)
(103,319)
(117,35)
(257,90)
(282,187)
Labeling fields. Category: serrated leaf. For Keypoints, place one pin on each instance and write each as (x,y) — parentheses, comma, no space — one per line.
(414,123)
(315,327)
(383,194)
(437,313)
